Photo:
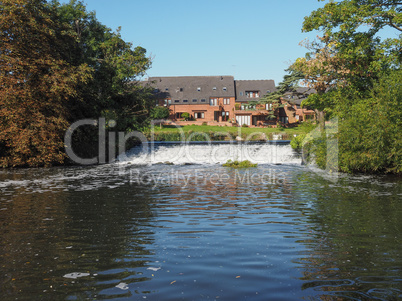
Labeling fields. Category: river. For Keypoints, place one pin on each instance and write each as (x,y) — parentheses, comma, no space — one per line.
(168,222)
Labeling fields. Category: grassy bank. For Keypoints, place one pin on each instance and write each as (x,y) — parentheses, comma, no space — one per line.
(218,133)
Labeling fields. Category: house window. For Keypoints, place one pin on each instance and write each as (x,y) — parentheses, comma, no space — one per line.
(213,101)
(169,101)
(177,101)
(178,115)
(199,115)
(214,88)
(203,100)
(241,93)
(185,100)
(268,106)
(284,120)
(166,89)
(199,89)
(225,116)
(226,101)
(181,89)
(224,89)
(252,94)
(194,100)
(268,91)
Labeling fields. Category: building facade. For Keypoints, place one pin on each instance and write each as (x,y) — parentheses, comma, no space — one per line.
(219,100)
(208,99)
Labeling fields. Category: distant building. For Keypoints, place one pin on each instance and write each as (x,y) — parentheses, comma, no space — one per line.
(296,98)
(218,100)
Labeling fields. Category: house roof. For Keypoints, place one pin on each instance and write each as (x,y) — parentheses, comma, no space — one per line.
(193,87)
(301,94)
(263,86)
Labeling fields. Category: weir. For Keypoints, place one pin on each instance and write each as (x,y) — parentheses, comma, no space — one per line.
(216,152)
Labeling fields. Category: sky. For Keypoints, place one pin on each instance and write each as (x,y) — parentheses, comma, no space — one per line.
(249,39)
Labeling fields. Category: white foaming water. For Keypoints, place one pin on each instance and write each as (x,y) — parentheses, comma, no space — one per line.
(261,153)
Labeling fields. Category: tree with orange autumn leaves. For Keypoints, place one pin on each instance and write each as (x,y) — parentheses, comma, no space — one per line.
(49,79)
(36,83)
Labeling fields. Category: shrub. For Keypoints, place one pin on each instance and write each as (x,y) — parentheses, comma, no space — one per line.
(185,115)
(297,141)
(239,164)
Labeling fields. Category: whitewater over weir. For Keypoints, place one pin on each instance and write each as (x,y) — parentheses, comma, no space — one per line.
(177,153)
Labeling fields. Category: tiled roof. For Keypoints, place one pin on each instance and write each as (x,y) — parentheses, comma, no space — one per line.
(193,87)
(263,86)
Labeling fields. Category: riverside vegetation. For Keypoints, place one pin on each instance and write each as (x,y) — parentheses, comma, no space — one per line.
(67,66)
(358,78)
(59,64)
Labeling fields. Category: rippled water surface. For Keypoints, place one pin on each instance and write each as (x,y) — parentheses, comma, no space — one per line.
(198,232)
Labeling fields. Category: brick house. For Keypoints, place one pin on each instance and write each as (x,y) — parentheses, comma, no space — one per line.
(208,99)
(221,100)
(248,94)
(296,98)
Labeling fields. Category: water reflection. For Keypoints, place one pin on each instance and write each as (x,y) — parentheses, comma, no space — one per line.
(355,234)
(196,232)
(101,236)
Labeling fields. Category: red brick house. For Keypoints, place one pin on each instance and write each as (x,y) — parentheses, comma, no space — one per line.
(208,99)
(221,100)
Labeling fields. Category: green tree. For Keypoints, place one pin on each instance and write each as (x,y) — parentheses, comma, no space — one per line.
(350,52)
(370,131)
(37,83)
(289,84)
(116,66)
(357,77)
(160,113)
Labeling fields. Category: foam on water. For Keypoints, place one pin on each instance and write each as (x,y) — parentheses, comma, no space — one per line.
(261,153)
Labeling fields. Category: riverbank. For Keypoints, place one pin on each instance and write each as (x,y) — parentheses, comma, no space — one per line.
(218,133)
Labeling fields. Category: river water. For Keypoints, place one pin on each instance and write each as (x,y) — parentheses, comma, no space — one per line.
(173,224)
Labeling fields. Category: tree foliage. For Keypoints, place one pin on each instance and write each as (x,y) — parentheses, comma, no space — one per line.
(115,64)
(370,131)
(350,51)
(357,77)
(36,82)
(289,84)
(58,64)
(160,113)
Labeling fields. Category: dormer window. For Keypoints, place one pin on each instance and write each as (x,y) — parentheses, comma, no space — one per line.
(214,88)
(199,89)
(252,94)
(224,89)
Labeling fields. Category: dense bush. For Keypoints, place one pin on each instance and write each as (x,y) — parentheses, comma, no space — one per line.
(370,129)
(239,164)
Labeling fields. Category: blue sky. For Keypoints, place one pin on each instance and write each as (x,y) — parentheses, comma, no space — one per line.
(250,39)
